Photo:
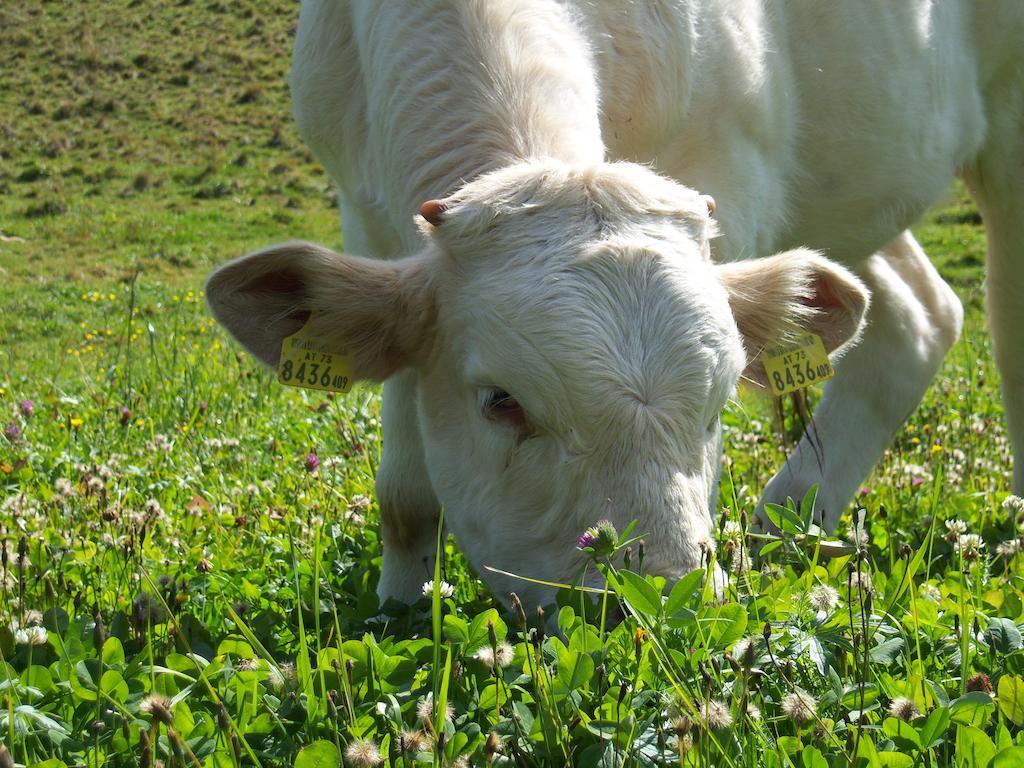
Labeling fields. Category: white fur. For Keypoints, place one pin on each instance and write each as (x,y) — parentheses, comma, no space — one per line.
(587,289)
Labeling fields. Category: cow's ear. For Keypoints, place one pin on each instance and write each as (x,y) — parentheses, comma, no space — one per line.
(776,297)
(380,312)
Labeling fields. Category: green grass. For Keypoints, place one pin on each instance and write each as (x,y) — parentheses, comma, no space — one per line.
(207,599)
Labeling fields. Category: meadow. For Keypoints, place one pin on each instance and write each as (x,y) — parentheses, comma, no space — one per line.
(189,551)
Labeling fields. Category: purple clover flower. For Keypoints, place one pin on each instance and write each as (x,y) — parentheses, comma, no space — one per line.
(27,407)
(312,462)
(600,538)
(12,432)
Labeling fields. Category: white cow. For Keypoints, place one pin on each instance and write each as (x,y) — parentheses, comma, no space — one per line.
(560,329)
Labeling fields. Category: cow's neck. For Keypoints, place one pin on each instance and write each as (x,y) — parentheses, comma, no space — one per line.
(472,87)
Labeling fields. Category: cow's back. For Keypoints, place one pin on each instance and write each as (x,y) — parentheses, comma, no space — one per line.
(833,126)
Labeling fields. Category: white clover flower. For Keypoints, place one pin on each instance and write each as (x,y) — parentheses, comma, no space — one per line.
(970,545)
(1014,504)
(34,635)
(956,527)
(1009,548)
(446,589)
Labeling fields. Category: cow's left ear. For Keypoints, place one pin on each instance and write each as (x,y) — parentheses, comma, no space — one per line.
(799,290)
(380,312)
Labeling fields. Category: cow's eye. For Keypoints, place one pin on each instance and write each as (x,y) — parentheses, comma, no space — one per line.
(499,405)
(713,424)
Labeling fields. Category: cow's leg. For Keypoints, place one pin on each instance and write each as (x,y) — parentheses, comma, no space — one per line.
(995,182)
(408,507)
(913,320)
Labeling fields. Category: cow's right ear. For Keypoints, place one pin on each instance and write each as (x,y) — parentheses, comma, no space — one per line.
(776,297)
(380,312)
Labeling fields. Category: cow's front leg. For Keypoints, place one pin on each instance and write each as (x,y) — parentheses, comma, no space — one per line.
(913,320)
(408,507)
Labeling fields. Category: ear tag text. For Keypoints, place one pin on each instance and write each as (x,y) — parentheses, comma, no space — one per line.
(797,365)
(309,361)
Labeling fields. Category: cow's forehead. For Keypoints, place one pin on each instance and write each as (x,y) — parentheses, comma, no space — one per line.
(520,210)
(604,334)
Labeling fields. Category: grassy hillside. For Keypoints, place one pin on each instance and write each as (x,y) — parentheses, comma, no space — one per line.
(145,135)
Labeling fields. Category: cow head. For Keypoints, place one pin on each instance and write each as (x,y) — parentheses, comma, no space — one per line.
(575,347)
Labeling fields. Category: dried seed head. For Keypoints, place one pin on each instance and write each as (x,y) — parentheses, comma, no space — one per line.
(903,708)
(503,655)
(493,745)
(823,598)
(979,682)
(799,706)
(363,754)
(746,650)
(681,725)
(158,707)
(425,710)
(716,714)
(414,742)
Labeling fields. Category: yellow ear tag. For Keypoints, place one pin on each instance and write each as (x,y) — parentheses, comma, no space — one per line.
(798,365)
(309,361)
